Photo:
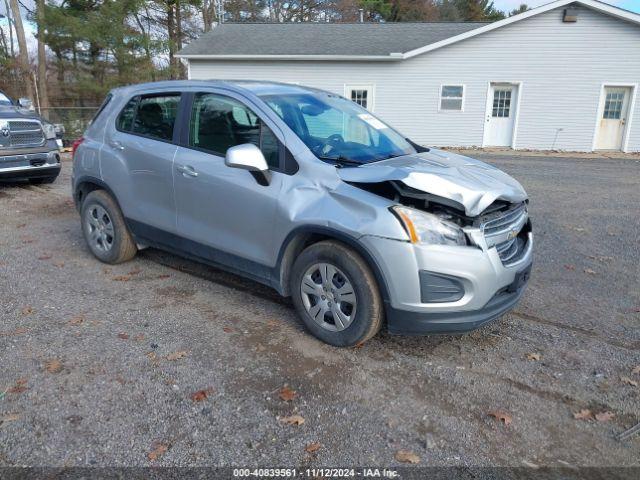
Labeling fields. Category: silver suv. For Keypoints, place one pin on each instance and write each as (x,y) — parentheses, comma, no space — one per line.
(309,193)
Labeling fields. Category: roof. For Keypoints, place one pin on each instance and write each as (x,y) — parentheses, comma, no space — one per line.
(369,39)
(355,41)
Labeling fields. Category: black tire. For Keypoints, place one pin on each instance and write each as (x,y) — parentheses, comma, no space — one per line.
(118,245)
(369,311)
(42,180)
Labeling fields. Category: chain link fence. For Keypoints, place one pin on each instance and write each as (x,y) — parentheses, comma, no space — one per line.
(74,120)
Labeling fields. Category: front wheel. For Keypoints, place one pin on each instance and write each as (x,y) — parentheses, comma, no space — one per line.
(104,229)
(336,294)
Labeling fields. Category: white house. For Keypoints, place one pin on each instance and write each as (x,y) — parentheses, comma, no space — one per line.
(562,76)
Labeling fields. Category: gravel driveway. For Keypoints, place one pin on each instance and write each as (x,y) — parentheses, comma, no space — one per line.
(161,361)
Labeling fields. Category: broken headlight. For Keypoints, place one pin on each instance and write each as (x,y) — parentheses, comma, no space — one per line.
(427,228)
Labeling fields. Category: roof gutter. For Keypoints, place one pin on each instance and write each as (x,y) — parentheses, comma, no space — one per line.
(350,58)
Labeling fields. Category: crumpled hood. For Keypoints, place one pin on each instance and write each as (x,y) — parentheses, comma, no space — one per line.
(473,184)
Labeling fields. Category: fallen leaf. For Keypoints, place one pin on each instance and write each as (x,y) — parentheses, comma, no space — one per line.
(138,338)
(135,271)
(577,229)
(106,270)
(19,387)
(570,267)
(584,414)
(501,416)
(123,336)
(77,320)
(151,355)
(201,395)
(27,240)
(636,370)
(176,356)
(44,257)
(628,381)
(286,394)
(312,447)
(293,420)
(12,417)
(533,356)
(58,264)
(28,310)
(21,225)
(227,329)
(604,416)
(53,366)
(17,331)
(121,278)
(163,276)
(589,271)
(406,456)
(273,323)
(158,449)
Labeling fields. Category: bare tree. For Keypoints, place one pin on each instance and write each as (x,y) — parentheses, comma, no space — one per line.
(42,59)
(23,54)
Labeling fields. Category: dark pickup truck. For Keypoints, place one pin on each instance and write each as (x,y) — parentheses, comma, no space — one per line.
(29,149)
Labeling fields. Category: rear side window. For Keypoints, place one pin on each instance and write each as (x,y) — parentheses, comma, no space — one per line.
(219,123)
(150,116)
(128,113)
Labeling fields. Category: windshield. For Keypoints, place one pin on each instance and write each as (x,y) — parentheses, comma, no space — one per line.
(337,129)
(4,100)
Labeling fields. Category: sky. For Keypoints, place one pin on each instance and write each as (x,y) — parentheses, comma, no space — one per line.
(508,5)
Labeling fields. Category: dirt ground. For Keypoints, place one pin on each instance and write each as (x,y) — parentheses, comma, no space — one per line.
(161,361)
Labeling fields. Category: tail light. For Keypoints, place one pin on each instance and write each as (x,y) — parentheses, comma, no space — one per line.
(75,146)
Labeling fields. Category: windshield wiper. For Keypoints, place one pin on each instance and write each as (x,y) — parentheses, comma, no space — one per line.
(342,161)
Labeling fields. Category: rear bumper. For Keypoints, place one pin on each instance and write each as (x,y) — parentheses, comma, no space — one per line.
(29,165)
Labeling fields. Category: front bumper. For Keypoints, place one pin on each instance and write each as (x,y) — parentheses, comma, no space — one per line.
(29,163)
(490,288)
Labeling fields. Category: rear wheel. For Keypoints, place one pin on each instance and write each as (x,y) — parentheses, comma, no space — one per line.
(336,294)
(104,229)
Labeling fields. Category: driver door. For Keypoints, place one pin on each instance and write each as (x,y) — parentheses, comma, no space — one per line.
(225,210)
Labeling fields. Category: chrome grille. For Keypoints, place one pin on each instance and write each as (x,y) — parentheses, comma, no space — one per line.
(502,230)
(25,133)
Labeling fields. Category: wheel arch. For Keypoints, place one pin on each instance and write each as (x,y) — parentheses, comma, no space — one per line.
(302,237)
(87,184)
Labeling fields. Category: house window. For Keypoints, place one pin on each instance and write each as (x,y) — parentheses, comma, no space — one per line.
(451,97)
(360,94)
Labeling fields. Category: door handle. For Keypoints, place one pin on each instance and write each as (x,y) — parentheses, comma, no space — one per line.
(187,170)
(117,145)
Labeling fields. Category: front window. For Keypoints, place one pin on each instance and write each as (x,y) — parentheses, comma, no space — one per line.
(219,123)
(338,130)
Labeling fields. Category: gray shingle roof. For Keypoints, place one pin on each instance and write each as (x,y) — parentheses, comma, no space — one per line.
(323,38)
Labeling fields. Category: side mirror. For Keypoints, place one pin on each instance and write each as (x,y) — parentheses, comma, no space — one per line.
(249,157)
(25,103)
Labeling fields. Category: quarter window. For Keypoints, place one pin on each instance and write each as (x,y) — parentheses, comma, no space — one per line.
(451,97)
(127,115)
(219,123)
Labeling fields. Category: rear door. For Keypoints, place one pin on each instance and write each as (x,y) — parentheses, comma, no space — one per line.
(221,207)
(143,142)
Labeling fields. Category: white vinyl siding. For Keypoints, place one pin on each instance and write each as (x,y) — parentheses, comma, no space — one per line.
(561,67)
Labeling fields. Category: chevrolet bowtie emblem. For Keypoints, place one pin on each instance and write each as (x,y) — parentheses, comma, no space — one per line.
(512,234)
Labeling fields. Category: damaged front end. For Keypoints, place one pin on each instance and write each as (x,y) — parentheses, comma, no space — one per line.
(441,195)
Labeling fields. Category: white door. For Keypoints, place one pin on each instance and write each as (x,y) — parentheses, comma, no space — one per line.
(501,115)
(614,108)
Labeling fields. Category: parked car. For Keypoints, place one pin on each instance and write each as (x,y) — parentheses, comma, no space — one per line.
(307,192)
(29,148)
